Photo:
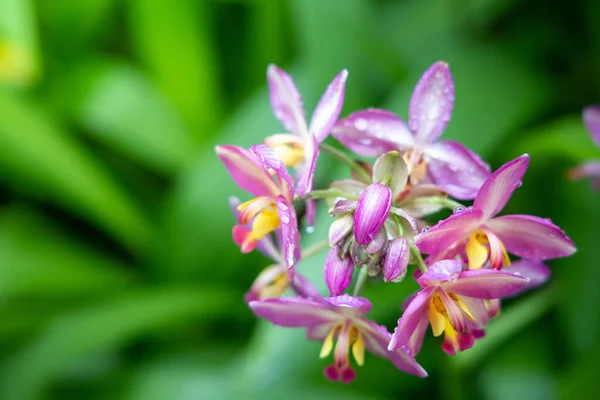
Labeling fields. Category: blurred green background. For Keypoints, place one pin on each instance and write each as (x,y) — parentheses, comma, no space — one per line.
(118,276)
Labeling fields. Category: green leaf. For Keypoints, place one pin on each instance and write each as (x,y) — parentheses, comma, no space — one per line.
(104,327)
(173,42)
(36,155)
(38,260)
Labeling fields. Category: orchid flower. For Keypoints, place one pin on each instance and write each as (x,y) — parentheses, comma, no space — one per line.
(341,319)
(451,300)
(447,164)
(591,119)
(259,172)
(299,147)
(477,231)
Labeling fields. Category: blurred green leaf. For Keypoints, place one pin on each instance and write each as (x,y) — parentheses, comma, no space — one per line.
(32,250)
(174,43)
(37,155)
(104,327)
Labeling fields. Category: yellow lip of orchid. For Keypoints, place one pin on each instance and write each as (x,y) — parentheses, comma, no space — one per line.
(261,211)
(354,340)
(483,243)
(289,148)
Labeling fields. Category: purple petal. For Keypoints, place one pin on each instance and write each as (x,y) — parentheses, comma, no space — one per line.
(371,212)
(328,110)
(377,339)
(431,103)
(247,171)
(485,284)
(295,312)
(344,207)
(338,272)
(303,287)
(269,158)
(285,100)
(537,272)
(440,271)
(410,319)
(396,260)
(476,308)
(497,189)
(591,118)
(456,169)
(391,169)
(289,232)
(311,210)
(340,228)
(449,233)
(373,132)
(319,333)
(416,340)
(360,305)
(587,169)
(306,172)
(531,237)
(453,312)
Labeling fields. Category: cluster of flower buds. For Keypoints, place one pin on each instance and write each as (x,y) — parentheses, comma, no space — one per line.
(380,226)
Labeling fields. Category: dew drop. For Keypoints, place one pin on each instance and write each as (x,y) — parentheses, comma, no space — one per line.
(310,229)
(284,219)
(425,229)
(405,349)
(459,209)
(517,274)
(470,208)
(361,124)
(282,206)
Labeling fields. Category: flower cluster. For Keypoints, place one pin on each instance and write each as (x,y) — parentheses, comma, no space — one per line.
(472,259)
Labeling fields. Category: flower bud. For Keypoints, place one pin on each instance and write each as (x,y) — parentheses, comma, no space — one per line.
(338,272)
(371,212)
(396,260)
(340,228)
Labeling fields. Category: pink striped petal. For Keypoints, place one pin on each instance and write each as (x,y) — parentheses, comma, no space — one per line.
(328,110)
(303,287)
(497,189)
(306,172)
(439,272)
(351,305)
(289,232)
(449,233)
(247,171)
(396,260)
(371,212)
(416,340)
(338,272)
(537,272)
(485,284)
(311,210)
(373,132)
(591,118)
(456,169)
(295,312)
(410,319)
(531,237)
(453,312)
(269,158)
(431,103)
(286,101)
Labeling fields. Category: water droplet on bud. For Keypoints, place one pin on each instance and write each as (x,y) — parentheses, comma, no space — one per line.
(459,209)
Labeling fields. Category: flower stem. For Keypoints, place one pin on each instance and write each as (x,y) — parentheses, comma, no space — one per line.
(438,200)
(416,253)
(315,248)
(362,278)
(343,157)
(329,193)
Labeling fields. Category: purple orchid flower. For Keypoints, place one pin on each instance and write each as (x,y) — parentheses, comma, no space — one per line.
(300,147)
(447,164)
(259,172)
(452,301)
(591,119)
(337,318)
(478,232)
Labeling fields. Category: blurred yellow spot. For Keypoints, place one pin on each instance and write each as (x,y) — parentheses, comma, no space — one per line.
(16,64)
(289,148)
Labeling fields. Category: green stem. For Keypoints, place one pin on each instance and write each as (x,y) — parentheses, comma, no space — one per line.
(328,193)
(343,157)
(362,278)
(438,200)
(416,253)
(315,248)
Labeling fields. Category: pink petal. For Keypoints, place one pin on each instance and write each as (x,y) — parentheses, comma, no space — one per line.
(377,339)
(286,101)
(440,271)
(416,340)
(306,172)
(340,228)
(537,272)
(371,212)
(247,171)
(303,287)
(396,260)
(449,233)
(295,312)
(431,103)
(531,237)
(591,118)
(338,272)
(477,310)
(359,305)
(268,157)
(453,312)
(498,188)
(328,110)
(289,232)
(585,170)
(485,284)
(373,132)
(410,319)
(311,210)
(456,169)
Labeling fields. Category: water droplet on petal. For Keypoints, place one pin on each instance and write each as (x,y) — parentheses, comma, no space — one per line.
(282,206)
(425,229)
(459,209)
(470,208)
(284,219)
(361,124)
(405,349)
(517,274)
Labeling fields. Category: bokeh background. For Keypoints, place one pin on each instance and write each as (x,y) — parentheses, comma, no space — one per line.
(118,276)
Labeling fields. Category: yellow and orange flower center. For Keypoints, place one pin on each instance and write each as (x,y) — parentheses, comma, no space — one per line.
(348,336)
(262,213)
(271,282)
(417,167)
(439,320)
(482,244)
(289,148)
